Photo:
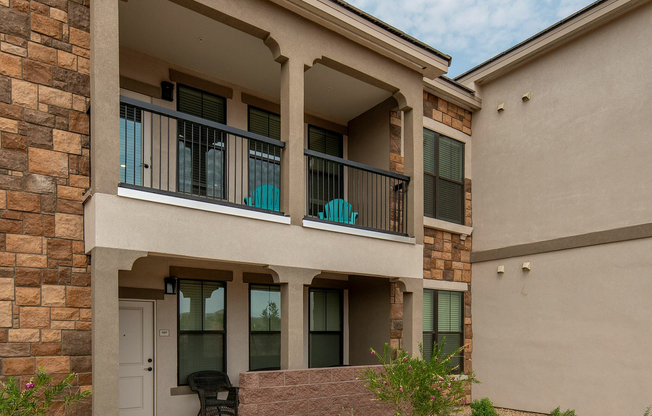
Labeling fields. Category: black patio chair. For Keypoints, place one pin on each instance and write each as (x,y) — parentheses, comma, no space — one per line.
(207,384)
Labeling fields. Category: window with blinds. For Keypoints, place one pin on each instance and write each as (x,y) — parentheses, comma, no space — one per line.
(201,327)
(443,323)
(264,327)
(326,328)
(264,159)
(326,177)
(131,142)
(201,149)
(443,179)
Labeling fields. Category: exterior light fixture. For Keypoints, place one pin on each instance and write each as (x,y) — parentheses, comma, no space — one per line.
(501,269)
(526,266)
(167,91)
(170,286)
(501,107)
(526,97)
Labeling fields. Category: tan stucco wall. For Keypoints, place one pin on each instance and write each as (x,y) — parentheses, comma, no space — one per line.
(369,322)
(574,331)
(575,158)
(369,136)
(120,222)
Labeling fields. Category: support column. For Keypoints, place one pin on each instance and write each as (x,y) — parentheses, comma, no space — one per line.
(293,175)
(293,280)
(413,162)
(412,315)
(105,97)
(105,263)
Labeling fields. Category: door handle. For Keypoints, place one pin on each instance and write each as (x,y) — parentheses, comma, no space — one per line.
(149,368)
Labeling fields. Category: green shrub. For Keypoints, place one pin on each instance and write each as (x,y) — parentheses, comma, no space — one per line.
(648,412)
(38,396)
(417,387)
(558,412)
(483,407)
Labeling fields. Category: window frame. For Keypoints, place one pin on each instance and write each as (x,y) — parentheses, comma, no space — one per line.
(223,148)
(341,331)
(435,333)
(261,332)
(180,332)
(436,176)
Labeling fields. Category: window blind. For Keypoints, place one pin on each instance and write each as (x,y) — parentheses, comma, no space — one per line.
(201,158)
(443,317)
(443,178)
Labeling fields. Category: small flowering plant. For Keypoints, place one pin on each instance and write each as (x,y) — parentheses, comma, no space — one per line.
(39,395)
(413,386)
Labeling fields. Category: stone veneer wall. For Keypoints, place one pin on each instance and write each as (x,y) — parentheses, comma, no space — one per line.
(445,255)
(324,392)
(44,171)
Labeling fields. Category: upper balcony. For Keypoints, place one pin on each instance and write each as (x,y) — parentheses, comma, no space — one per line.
(234,111)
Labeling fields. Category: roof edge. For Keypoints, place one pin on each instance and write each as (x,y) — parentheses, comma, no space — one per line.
(532,38)
(392,30)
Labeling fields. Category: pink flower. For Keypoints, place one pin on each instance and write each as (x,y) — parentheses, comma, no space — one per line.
(432,398)
(449,385)
(29,386)
(464,400)
(453,378)
(406,358)
(372,352)
(400,389)
(439,389)
(409,367)
(441,378)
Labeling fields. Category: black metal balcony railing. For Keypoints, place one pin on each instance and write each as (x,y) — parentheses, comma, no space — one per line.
(170,152)
(353,194)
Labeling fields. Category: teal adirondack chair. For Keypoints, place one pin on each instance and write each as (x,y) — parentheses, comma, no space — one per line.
(338,210)
(265,197)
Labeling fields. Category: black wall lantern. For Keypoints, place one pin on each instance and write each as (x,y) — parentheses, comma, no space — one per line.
(167,91)
(170,286)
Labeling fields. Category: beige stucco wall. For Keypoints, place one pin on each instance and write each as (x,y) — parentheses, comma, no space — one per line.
(576,158)
(369,136)
(574,331)
(369,322)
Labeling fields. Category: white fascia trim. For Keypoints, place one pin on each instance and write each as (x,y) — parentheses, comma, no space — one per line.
(318,225)
(445,285)
(202,206)
(447,226)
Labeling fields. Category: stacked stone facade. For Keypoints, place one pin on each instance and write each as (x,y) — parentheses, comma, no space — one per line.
(45,315)
(446,256)
(324,392)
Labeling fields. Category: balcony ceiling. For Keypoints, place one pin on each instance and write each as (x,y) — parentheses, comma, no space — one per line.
(180,36)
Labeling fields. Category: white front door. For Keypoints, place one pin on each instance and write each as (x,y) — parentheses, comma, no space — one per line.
(136,358)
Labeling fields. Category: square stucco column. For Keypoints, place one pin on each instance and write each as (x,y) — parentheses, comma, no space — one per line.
(412,315)
(293,280)
(105,264)
(105,97)
(413,142)
(293,189)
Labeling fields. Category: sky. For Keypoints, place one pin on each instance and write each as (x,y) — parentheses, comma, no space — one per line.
(471,31)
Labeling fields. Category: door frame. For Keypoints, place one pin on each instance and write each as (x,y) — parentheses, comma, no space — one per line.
(155,358)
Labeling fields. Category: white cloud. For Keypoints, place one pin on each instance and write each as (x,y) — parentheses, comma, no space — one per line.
(471,31)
